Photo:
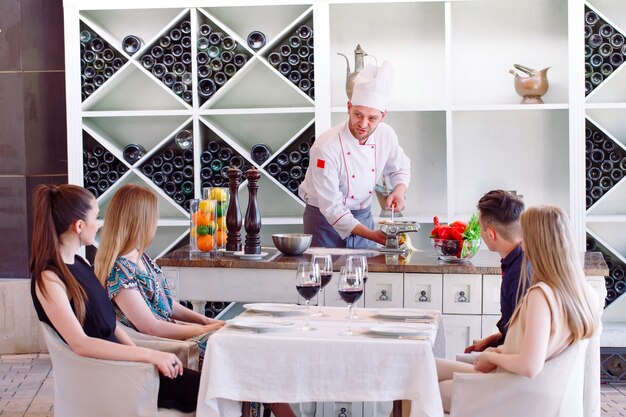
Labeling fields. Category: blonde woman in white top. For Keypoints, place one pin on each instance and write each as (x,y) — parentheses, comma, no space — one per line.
(558,310)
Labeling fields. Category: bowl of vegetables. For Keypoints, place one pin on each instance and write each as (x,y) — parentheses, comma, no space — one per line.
(456,242)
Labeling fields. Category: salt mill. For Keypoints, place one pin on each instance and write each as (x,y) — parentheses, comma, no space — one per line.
(253,215)
(233,214)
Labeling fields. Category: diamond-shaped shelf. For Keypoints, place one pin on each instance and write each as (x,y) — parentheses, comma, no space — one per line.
(290,165)
(219,57)
(98,61)
(605,50)
(216,157)
(169,59)
(293,58)
(606,163)
(615,281)
(101,169)
(171,168)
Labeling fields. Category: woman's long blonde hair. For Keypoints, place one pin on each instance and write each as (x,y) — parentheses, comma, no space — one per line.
(550,250)
(130,223)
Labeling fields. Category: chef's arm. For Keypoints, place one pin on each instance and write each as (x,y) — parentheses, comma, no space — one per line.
(396,197)
(367,233)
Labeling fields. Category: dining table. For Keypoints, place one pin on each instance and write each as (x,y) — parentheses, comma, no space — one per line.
(264,356)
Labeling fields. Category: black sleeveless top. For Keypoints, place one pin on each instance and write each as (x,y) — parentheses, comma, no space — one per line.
(99,315)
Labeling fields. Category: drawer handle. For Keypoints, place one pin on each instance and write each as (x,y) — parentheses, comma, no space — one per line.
(383,296)
(462,298)
(342,412)
(423,296)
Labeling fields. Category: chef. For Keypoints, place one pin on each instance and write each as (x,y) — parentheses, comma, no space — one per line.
(347,161)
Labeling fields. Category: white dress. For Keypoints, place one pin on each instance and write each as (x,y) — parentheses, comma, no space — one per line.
(342,173)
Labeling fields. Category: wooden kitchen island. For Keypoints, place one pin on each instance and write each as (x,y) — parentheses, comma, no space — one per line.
(467,294)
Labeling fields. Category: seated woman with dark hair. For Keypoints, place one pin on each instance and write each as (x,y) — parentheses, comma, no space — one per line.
(68,297)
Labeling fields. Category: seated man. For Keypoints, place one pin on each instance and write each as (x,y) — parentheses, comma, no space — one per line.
(499,213)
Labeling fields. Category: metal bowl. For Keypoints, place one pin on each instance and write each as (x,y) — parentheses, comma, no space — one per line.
(292,243)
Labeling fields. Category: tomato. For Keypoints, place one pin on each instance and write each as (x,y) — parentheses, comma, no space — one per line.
(444,231)
(455,234)
(459,225)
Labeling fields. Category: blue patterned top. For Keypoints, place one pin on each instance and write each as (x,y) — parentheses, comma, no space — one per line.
(153,288)
(151,284)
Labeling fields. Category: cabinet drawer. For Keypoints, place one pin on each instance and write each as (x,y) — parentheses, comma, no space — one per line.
(491,294)
(384,290)
(462,294)
(423,291)
(171,276)
(489,325)
(461,330)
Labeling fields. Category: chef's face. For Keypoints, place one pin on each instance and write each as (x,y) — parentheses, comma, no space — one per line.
(363,121)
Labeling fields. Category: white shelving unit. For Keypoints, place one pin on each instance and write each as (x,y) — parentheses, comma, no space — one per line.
(453,105)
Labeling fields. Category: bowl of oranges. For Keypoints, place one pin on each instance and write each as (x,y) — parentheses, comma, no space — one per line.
(208,220)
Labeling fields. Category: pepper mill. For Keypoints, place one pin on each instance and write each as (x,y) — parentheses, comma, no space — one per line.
(233,214)
(253,215)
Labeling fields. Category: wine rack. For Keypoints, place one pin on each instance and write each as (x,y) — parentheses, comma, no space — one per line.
(171,169)
(615,282)
(290,165)
(99,61)
(169,60)
(605,162)
(605,50)
(219,57)
(101,168)
(293,58)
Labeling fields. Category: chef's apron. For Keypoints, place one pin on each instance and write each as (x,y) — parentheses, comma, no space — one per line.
(324,235)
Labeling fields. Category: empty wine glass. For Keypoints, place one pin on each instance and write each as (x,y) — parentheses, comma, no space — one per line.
(350,290)
(308,285)
(325,265)
(358,261)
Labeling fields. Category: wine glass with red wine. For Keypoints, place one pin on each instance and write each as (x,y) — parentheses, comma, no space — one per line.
(358,261)
(325,264)
(308,284)
(350,290)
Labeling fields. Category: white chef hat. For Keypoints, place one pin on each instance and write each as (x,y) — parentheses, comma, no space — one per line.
(372,86)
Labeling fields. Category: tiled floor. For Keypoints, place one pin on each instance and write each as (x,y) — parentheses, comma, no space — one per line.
(26,389)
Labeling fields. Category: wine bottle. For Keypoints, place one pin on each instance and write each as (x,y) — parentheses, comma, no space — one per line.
(148,61)
(167,168)
(179,197)
(616,59)
(596,78)
(240,60)
(609,262)
(117,63)
(92,162)
(293,186)
(188,171)
(620,287)
(159,178)
(185,26)
(175,34)
(617,273)
(605,49)
(295,173)
(93,177)
(304,84)
(226,56)
(260,153)
(177,50)
(283,177)
(596,156)
(108,55)
(177,177)
(204,71)
(104,168)
(285,50)
(295,157)
(594,173)
(228,43)
(611,295)
(133,153)
(256,40)
(591,18)
(213,146)
(617,175)
(108,157)
(148,170)
(216,165)
(168,155)
(615,156)
(608,145)
(293,60)
(170,188)
(159,70)
(217,181)
(97,44)
(185,41)
(606,166)
(595,40)
(178,162)
(609,282)
(93,190)
(216,64)
(236,161)
(202,58)
(596,192)
(205,173)
(304,32)
(284,68)
(206,157)
(215,38)
(121,168)
(206,88)
(102,185)
(606,30)
(295,77)
(85,37)
(273,169)
(165,42)
(225,154)
(187,188)
(230,69)
(282,159)
(305,162)
(274,59)
(168,60)
(304,52)
(220,78)
(588,201)
(98,80)
(205,30)
(131,44)
(112,176)
(224,172)
(606,69)
(311,93)
(169,79)
(606,183)
(588,184)
(617,40)
(588,31)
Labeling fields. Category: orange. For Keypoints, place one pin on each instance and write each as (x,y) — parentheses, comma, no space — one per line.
(205,243)
(220,238)
(201,219)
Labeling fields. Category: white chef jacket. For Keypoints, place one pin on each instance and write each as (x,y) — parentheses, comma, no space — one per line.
(342,173)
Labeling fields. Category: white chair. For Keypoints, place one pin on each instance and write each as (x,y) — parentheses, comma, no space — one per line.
(102,388)
(556,392)
(188,352)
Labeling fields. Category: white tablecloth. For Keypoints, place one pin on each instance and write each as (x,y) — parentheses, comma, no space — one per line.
(295,366)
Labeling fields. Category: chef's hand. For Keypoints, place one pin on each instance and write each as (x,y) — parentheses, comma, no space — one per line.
(396,198)
(367,233)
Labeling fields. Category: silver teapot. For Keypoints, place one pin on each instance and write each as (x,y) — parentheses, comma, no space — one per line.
(359,53)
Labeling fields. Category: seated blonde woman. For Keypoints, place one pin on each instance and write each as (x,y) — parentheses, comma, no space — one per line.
(135,283)
(558,310)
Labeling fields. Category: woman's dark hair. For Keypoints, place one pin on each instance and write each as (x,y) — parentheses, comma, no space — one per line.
(55,209)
